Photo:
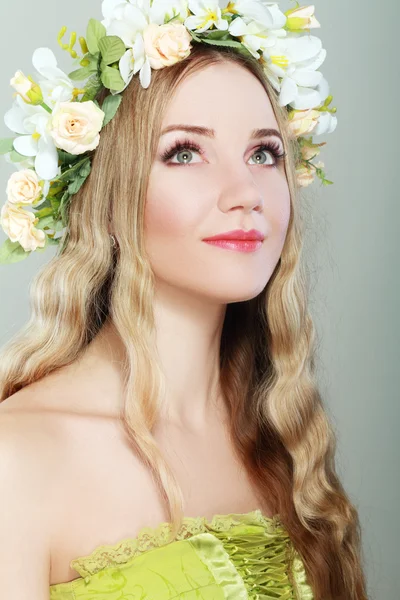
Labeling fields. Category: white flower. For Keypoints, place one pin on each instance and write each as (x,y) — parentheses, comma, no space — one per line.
(295,59)
(326,123)
(34,140)
(23,188)
(128,22)
(55,84)
(128,19)
(19,225)
(167,44)
(206,13)
(158,12)
(267,14)
(254,36)
(75,126)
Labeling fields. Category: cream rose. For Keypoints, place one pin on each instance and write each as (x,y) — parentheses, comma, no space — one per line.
(167,44)
(75,126)
(18,224)
(23,187)
(303,122)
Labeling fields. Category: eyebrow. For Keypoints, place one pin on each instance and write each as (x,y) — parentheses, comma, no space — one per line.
(199,130)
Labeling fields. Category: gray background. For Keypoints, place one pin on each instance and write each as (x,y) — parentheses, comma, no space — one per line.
(352,248)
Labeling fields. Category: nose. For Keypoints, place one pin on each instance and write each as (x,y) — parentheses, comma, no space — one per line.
(238,189)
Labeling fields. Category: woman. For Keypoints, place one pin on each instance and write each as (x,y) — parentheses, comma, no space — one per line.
(166,375)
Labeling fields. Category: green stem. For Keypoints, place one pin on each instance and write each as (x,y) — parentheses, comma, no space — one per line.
(46,107)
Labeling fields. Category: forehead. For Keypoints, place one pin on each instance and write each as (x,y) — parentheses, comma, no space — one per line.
(221,96)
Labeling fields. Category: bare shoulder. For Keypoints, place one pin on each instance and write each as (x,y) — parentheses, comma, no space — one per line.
(25,504)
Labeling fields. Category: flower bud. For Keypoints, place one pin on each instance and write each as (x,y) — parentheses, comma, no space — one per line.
(27,88)
(301,18)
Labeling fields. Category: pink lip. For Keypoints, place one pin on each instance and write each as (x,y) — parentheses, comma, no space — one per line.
(238,234)
(238,245)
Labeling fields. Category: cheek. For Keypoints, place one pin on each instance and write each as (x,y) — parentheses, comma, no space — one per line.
(277,208)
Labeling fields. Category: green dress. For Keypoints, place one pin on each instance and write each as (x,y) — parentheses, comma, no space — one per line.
(232,557)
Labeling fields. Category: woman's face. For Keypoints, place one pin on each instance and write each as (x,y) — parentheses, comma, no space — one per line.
(224,182)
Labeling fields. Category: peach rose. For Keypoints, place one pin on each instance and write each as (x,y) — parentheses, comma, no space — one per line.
(309,152)
(166,44)
(75,126)
(304,175)
(23,187)
(19,225)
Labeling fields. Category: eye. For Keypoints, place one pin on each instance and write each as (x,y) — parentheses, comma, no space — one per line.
(187,147)
(273,148)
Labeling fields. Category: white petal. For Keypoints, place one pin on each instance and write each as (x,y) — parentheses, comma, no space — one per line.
(323,89)
(44,58)
(135,17)
(138,54)
(46,163)
(195,6)
(288,91)
(307,78)
(14,119)
(326,124)
(192,22)
(145,74)
(123,30)
(306,98)
(273,80)
(222,24)
(252,43)
(125,65)
(314,63)
(238,27)
(108,7)
(26,145)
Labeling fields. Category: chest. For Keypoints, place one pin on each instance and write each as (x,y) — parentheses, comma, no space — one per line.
(108,494)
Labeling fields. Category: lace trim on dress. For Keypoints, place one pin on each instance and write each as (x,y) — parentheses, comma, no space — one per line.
(152,537)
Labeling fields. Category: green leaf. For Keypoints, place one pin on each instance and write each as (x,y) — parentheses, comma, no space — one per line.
(55,203)
(50,223)
(71,173)
(229,43)
(44,212)
(94,33)
(17,157)
(80,74)
(110,107)
(6,145)
(112,79)
(79,178)
(53,241)
(111,48)
(195,36)
(92,87)
(12,252)
(85,169)
(218,35)
(45,222)
(66,158)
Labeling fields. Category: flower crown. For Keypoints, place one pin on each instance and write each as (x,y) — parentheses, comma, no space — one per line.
(57,124)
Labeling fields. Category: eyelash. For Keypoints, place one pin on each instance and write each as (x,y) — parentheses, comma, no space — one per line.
(270,146)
